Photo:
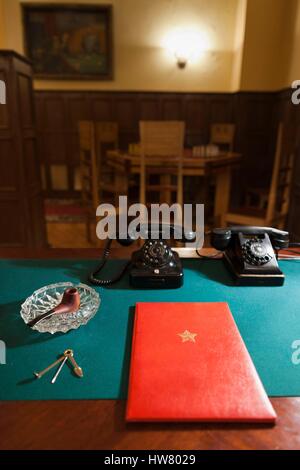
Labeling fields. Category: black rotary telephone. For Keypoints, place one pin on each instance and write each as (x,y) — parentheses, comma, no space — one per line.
(250,254)
(155,265)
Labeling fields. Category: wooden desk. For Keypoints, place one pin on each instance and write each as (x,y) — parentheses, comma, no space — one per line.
(219,166)
(101,425)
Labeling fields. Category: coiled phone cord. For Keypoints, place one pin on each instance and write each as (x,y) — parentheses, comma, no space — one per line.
(101,282)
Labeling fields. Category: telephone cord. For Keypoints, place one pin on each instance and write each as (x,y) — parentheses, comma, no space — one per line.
(101,282)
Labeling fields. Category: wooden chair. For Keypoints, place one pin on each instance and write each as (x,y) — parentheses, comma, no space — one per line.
(223,134)
(258,196)
(278,197)
(96,180)
(162,139)
(106,138)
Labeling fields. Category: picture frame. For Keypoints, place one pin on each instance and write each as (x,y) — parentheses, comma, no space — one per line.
(69,42)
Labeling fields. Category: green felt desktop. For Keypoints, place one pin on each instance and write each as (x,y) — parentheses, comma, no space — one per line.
(268,319)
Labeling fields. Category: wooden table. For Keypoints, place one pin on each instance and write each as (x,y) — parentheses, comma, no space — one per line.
(101,424)
(219,166)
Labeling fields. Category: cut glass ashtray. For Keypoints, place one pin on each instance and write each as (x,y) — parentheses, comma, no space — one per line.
(47,298)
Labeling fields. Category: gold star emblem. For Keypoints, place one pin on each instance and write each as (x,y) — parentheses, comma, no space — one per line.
(188,336)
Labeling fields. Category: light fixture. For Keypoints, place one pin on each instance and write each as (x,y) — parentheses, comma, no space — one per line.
(186,45)
(181,61)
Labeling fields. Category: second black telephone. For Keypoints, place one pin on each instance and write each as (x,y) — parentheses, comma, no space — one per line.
(155,265)
(250,255)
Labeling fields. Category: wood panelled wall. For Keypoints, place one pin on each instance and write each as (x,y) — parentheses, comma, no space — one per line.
(289,113)
(59,112)
(256,115)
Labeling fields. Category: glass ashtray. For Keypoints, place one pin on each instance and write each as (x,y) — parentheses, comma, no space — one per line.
(46,298)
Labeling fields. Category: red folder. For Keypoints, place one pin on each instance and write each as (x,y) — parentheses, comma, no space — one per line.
(189,363)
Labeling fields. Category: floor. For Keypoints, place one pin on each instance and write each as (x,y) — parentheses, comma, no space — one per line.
(67,235)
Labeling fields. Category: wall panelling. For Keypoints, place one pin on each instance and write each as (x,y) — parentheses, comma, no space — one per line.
(59,112)
(256,115)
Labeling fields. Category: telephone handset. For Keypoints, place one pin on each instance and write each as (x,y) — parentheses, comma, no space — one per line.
(155,265)
(250,255)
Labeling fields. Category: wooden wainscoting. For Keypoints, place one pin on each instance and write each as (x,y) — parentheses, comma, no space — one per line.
(289,114)
(58,114)
(255,114)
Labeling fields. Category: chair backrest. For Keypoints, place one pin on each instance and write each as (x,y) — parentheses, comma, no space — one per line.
(223,134)
(106,138)
(280,189)
(88,163)
(161,139)
(86,135)
(107,132)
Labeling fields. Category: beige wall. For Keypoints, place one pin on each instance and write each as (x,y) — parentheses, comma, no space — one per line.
(2,33)
(294,68)
(239,43)
(251,44)
(141,61)
(267,51)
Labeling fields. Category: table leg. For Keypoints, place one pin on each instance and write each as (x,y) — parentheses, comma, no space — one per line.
(180,183)
(222,197)
(121,184)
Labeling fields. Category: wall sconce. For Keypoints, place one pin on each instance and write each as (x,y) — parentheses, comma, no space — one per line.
(186,46)
(181,61)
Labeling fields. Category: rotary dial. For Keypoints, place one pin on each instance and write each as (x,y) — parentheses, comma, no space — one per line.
(156,253)
(255,252)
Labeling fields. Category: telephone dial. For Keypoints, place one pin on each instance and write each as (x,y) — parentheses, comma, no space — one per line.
(249,253)
(155,265)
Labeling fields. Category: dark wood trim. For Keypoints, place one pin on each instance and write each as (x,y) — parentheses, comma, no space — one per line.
(21,204)
(70,432)
(165,92)
(117,252)
(9,53)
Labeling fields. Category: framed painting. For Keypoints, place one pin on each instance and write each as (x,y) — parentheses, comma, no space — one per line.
(69,42)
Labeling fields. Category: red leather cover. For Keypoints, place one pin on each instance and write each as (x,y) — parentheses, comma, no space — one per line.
(189,363)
